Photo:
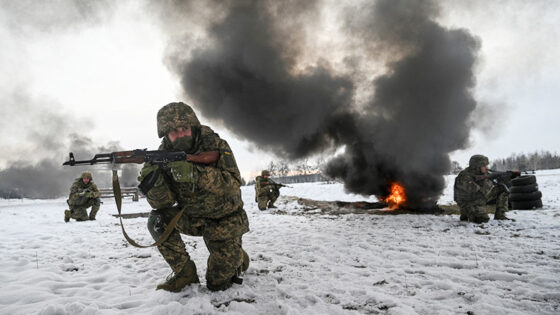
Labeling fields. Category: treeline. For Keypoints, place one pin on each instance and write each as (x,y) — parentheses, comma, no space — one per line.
(526,162)
(302,167)
(296,172)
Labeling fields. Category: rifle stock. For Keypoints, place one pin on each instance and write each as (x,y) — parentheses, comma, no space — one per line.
(207,157)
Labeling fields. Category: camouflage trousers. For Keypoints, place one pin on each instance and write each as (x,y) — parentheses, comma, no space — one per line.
(267,198)
(79,213)
(222,238)
(474,210)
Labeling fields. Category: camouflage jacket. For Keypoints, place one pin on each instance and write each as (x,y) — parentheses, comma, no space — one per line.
(264,185)
(204,191)
(469,188)
(80,192)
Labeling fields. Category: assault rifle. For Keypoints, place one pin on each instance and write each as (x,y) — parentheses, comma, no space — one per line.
(278,185)
(139,156)
(500,177)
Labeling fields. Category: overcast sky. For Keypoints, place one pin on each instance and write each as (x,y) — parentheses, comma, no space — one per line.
(99,69)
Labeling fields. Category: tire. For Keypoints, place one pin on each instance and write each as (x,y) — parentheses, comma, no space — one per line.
(524,189)
(526,205)
(525,196)
(524,180)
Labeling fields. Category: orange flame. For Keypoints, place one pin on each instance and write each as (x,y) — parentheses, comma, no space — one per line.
(397,196)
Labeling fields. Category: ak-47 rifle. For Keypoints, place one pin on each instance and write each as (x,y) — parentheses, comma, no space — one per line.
(278,185)
(139,156)
(502,179)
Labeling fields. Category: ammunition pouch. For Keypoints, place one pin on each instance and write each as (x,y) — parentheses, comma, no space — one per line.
(182,171)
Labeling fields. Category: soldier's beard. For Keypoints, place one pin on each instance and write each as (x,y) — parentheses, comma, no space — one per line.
(183,144)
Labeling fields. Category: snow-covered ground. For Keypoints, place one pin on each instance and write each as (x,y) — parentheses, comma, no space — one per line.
(300,264)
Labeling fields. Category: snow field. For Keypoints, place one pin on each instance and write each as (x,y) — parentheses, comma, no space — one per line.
(300,264)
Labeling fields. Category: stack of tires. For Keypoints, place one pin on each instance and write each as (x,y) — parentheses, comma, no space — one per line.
(524,193)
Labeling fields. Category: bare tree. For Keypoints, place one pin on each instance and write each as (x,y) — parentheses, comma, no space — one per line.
(303,167)
(272,168)
(283,168)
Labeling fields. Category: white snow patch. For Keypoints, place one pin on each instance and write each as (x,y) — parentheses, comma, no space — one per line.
(313,264)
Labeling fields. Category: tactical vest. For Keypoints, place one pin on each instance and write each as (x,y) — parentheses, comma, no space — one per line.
(465,191)
(206,191)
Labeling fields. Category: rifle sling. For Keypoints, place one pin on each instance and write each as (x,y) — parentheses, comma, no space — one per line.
(166,233)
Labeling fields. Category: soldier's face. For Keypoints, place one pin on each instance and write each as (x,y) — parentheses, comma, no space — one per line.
(179,133)
(266,176)
(85,180)
(484,169)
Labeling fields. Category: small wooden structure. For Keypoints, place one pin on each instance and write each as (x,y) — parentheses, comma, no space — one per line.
(125,192)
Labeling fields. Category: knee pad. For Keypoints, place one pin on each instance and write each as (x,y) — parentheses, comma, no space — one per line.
(97,201)
(155,225)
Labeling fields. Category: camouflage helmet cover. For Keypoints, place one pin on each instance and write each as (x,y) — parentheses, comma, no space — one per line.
(175,115)
(265,173)
(477,161)
(87,175)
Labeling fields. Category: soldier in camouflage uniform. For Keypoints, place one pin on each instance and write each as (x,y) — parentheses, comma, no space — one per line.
(473,190)
(266,191)
(83,194)
(210,196)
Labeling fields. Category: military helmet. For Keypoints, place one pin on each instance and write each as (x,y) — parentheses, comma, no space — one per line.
(265,173)
(477,161)
(175,115)
(87,175)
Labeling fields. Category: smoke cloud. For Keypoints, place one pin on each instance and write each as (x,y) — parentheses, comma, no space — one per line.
(36,136)
(251,84)
(35,153)
(47,178)
(249,76)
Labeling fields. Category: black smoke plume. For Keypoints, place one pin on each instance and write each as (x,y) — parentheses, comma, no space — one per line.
(248,77)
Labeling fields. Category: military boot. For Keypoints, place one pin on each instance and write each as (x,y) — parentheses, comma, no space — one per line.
(235,279)
(500,214)
(463,217)
(181,279)
(93,212)
(271,205)
(66,215)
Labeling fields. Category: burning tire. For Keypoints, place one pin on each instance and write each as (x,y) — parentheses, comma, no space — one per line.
(526,205)
(524,189)
(524,180)
(536,195)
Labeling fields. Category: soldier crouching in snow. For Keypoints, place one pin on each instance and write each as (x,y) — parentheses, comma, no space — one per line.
(83,194)
(209,194)
(266,191)
(473,189)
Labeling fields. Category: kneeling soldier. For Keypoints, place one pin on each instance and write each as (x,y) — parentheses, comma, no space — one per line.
(473,189)
(83,194)
(207,191)
(266,191)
